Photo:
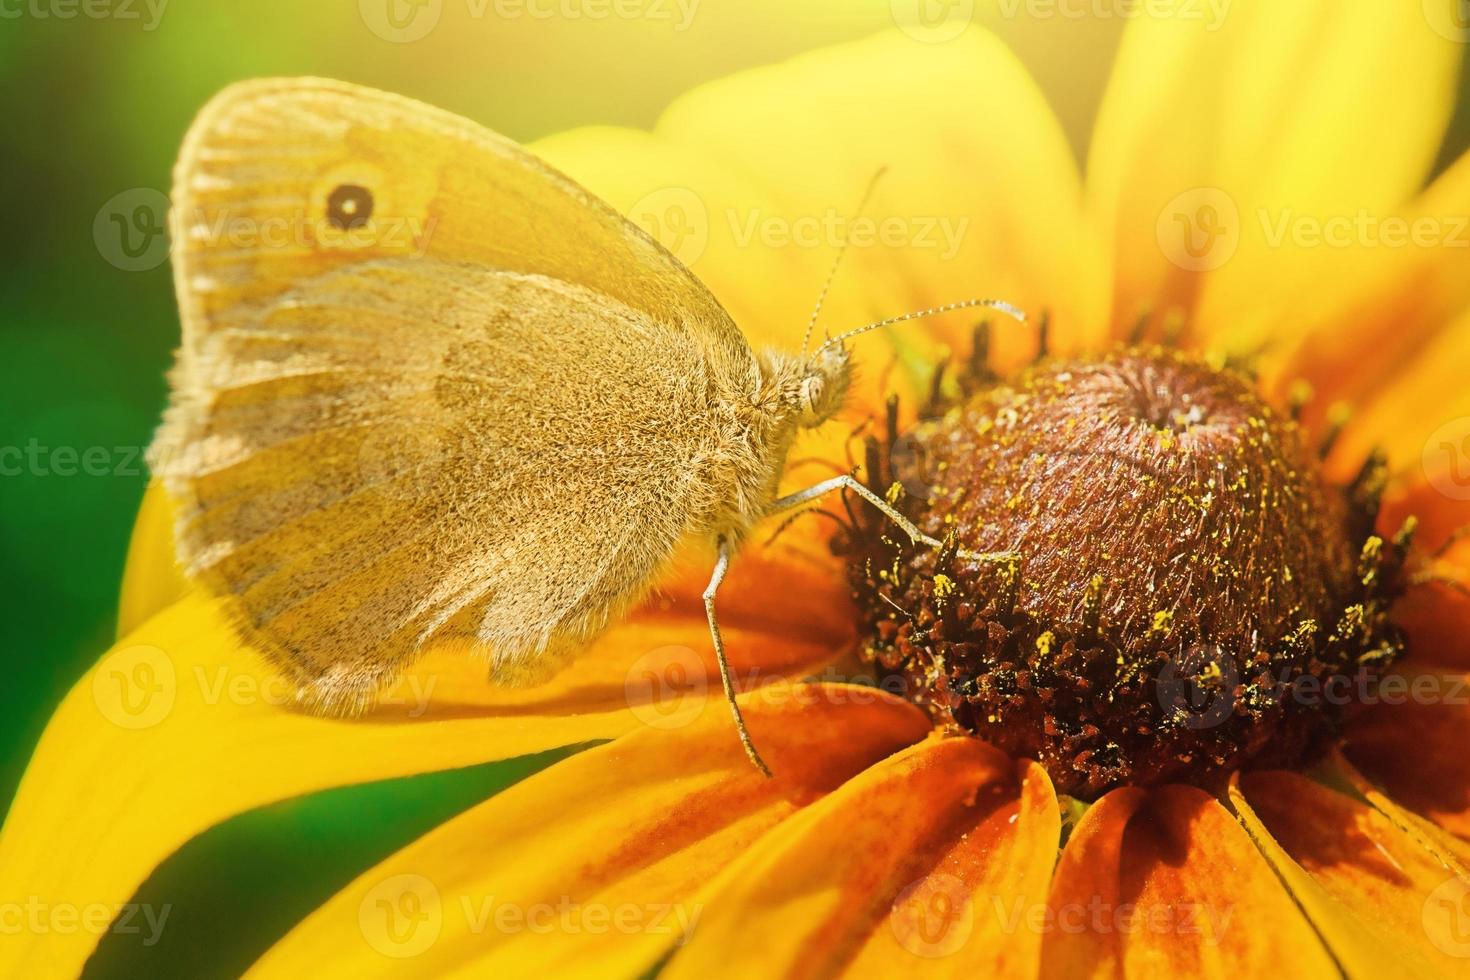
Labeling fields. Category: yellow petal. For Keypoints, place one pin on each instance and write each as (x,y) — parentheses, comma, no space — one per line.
(685,198)
(152,579)
(1370,314)
(1165,883)
(1384,904)
(1419,415)
(1216,129)
(980,195)
(598,866)
(179,727)
(920,866)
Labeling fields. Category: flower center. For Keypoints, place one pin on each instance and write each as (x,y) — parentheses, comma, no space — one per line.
(1186,589)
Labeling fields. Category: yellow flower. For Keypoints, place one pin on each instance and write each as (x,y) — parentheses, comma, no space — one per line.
(1224,166)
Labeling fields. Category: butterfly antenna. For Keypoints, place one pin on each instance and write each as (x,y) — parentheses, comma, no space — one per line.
(811,324)
(994,304)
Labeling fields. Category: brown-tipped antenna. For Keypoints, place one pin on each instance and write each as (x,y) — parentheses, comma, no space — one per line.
(811,324)
(994,304)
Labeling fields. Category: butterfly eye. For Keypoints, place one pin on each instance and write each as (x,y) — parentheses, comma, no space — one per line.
(811,396)
(349,206)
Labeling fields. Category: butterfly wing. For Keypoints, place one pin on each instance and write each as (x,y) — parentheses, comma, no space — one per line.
(493,422)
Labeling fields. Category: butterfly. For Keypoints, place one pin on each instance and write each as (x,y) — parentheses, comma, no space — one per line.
(430,388)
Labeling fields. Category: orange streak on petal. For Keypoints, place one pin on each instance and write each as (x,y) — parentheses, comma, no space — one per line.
(1381,879)
(915,868)
(1164,882)
(597,866)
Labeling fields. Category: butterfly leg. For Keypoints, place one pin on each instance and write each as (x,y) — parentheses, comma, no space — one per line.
(722,564)
(847,482)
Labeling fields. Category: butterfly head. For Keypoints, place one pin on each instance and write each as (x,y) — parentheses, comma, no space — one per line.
(823,385)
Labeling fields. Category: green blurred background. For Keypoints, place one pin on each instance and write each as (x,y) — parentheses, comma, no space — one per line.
(96,106)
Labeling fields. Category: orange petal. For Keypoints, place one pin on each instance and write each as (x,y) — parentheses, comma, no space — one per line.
(1434,614)
(1165,883)
(599,865)
(1419,413)
(1373,318)
(1412,741)
(1436,620)
(925,865)
(180,727)
(1371,889)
